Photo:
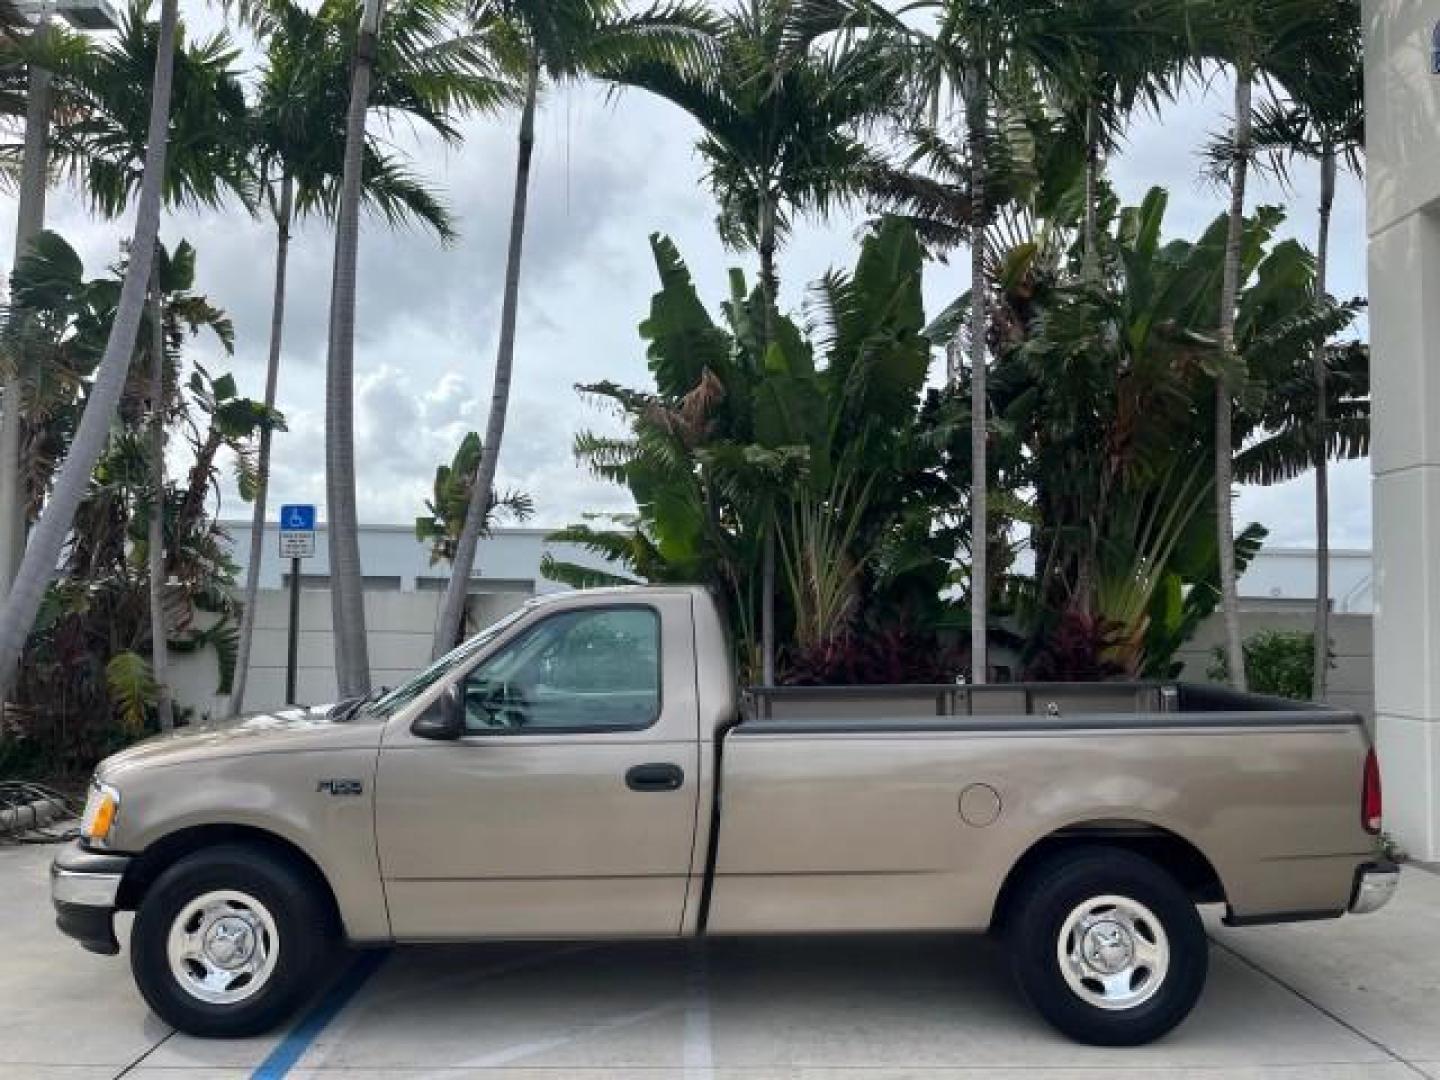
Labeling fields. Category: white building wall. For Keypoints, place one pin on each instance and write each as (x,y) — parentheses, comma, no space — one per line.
(506,561)
(402,600)
(1402,90)
(399,626)
(1283,577)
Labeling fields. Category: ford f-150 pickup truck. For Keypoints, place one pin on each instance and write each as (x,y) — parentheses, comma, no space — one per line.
(585,768)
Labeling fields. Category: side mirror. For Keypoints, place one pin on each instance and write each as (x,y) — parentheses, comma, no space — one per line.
(444,719)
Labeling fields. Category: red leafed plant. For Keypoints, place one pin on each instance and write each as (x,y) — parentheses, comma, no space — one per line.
(1079,648)
(895,654)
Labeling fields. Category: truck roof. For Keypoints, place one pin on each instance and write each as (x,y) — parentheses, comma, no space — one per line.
(621,591)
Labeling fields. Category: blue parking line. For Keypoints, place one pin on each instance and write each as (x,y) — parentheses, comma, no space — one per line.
(299,1038)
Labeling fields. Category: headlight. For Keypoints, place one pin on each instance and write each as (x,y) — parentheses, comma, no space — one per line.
(100,810)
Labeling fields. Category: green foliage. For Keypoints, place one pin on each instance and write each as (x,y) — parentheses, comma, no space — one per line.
(430,70)
(131,686)
(742,439)
(1103,386)
(440,526)
(83,680)
(783,125)
(1279,662)
(108,90)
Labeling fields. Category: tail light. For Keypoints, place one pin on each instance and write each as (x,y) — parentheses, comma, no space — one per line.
(1371,802)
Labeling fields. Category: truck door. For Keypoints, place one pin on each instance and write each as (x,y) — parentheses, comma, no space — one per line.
(567,808)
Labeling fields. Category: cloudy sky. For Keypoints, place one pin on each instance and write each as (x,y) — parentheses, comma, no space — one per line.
(607,173)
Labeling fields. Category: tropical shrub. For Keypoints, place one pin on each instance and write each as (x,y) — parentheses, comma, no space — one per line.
(444,515)
(1279,662)
(85,683)
(822,436)
(887,654)
(1078,648)
(1103,388)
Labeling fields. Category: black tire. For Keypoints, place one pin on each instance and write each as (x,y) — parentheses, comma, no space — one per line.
(1053,892)
(304,939)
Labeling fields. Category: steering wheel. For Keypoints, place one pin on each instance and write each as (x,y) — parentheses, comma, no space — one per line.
(506,704)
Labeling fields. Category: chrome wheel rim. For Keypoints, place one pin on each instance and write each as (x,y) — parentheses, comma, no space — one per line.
(1113,952)
(223,947)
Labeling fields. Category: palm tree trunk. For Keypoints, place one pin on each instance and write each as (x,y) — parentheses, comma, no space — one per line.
(262,467)
(979,470)
(1091,264)
(769,279)
(1322,424)
(42,554)
(769,289)
(1224,401)
(347,596)
(34,174)
(155,530)
(767,606)
(457,589)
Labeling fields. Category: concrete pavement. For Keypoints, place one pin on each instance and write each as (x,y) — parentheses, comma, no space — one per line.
(1357,999)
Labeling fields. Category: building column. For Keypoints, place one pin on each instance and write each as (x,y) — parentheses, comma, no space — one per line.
(1405,460)
(1403,104)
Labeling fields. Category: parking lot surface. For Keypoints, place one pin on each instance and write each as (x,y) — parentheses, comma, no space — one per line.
(1357,999)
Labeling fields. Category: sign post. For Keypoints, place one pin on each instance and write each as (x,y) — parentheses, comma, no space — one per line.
(297,542)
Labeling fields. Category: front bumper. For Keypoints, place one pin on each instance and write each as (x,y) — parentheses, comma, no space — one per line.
(1375,884)
(84,886)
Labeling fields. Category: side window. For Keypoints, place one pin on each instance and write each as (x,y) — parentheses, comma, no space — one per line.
(581,670)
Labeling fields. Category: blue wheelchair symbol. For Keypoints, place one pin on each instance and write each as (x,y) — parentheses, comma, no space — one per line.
(297,518)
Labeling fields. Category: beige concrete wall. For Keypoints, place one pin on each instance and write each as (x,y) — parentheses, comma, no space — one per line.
(1352,679)
(399,626)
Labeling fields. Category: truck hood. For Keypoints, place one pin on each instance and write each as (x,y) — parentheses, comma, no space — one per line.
(302,728)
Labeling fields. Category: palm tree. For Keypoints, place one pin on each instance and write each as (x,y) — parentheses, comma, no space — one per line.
(1256,39)
(155,527)
(1123,59)
(43,551)
(207,113)
(347,600)
(540,40)
(299,106)
(979,55)
(445,511)
(105,143)
(98,602)
(1324,123)
(30,219)
(783,124)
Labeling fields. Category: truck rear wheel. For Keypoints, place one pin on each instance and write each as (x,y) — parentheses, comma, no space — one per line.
(229,940)
(1107,946)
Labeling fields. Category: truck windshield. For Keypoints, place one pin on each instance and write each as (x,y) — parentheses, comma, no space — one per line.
(456,658)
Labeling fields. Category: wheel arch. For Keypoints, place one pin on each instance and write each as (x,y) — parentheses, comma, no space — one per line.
(165,852)
(1169,850)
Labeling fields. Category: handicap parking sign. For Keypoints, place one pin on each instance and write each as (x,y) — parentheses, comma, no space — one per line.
(298,517)
(297,531)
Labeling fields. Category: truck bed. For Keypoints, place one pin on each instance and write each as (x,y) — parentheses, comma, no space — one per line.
(843,808)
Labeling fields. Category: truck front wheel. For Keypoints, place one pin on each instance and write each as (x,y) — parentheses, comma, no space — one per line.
(229,940)
(1107,946)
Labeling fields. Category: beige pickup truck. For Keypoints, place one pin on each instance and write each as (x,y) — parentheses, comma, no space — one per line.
(585,769)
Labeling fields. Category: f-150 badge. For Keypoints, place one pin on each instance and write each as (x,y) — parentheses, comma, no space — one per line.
(340,787)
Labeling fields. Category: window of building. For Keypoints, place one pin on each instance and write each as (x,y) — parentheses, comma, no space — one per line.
(369,582)
(479,585)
